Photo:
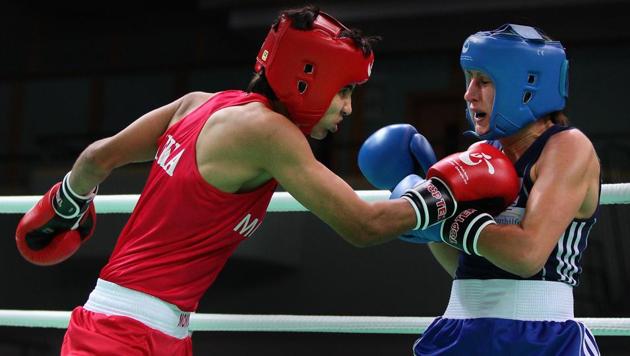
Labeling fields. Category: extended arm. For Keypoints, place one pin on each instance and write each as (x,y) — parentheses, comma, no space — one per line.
(286,155)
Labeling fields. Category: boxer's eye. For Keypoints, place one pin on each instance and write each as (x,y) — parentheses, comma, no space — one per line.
(347,90)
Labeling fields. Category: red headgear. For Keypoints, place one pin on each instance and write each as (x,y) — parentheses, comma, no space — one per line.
(306,68)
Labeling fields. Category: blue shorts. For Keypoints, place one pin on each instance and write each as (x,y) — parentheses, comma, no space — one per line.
(493,336)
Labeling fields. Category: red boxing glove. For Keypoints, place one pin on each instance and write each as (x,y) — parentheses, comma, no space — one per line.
(56,226)
(482,177)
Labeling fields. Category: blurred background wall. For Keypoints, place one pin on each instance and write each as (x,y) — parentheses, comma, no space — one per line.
(71,74)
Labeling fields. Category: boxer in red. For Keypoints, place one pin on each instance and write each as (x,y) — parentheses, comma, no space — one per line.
(217,159)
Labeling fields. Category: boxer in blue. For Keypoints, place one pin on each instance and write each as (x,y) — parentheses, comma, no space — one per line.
(514,272)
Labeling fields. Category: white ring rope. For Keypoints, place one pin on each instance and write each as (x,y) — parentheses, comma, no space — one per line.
(281,202)
(284,202)
(294,323)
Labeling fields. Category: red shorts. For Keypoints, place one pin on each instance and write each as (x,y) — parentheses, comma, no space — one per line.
(92,334)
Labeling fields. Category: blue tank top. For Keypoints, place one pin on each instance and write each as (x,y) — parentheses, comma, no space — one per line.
(563,265)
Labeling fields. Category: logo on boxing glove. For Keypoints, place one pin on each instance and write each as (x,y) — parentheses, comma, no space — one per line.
(440,203)
(467,158)
(453,234)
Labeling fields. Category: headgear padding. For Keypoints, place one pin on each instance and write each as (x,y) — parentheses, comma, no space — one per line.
(306,68)
(529,72)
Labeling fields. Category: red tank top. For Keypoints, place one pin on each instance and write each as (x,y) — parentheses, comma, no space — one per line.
(183,229)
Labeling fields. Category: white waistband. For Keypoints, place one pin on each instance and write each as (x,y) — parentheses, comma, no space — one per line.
(111,299)
(510,299)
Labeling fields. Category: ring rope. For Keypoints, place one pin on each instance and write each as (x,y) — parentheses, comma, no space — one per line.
(618,193)
(284,202)
(294,323)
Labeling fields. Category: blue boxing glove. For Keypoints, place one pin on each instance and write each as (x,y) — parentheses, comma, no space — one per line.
(422,151)
(393,152)
(432,233)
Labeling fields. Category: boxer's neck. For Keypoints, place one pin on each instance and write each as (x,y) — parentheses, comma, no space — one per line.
(515,145)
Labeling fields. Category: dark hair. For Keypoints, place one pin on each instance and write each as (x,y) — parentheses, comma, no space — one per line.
(364,43)
(303,18)
(259,84)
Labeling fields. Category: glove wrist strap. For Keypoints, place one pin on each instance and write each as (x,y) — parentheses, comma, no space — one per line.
(68,204)
(462,230)
(432,201)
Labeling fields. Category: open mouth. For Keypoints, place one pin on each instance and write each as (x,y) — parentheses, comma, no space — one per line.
(480,116)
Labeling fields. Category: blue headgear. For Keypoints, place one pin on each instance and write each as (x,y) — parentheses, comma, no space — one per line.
(529,73)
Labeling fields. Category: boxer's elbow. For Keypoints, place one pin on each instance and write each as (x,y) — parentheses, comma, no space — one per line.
(525,270)
(96,158)
(362,238)
(517,250)
(528,262)
(366,237)
(357,241)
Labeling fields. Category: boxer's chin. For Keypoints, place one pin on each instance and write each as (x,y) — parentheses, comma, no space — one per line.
(319,134)
(482,126)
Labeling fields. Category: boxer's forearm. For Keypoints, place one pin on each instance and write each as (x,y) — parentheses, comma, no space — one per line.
(90,169)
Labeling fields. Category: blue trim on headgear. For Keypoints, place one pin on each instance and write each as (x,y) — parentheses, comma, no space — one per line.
(529,72)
